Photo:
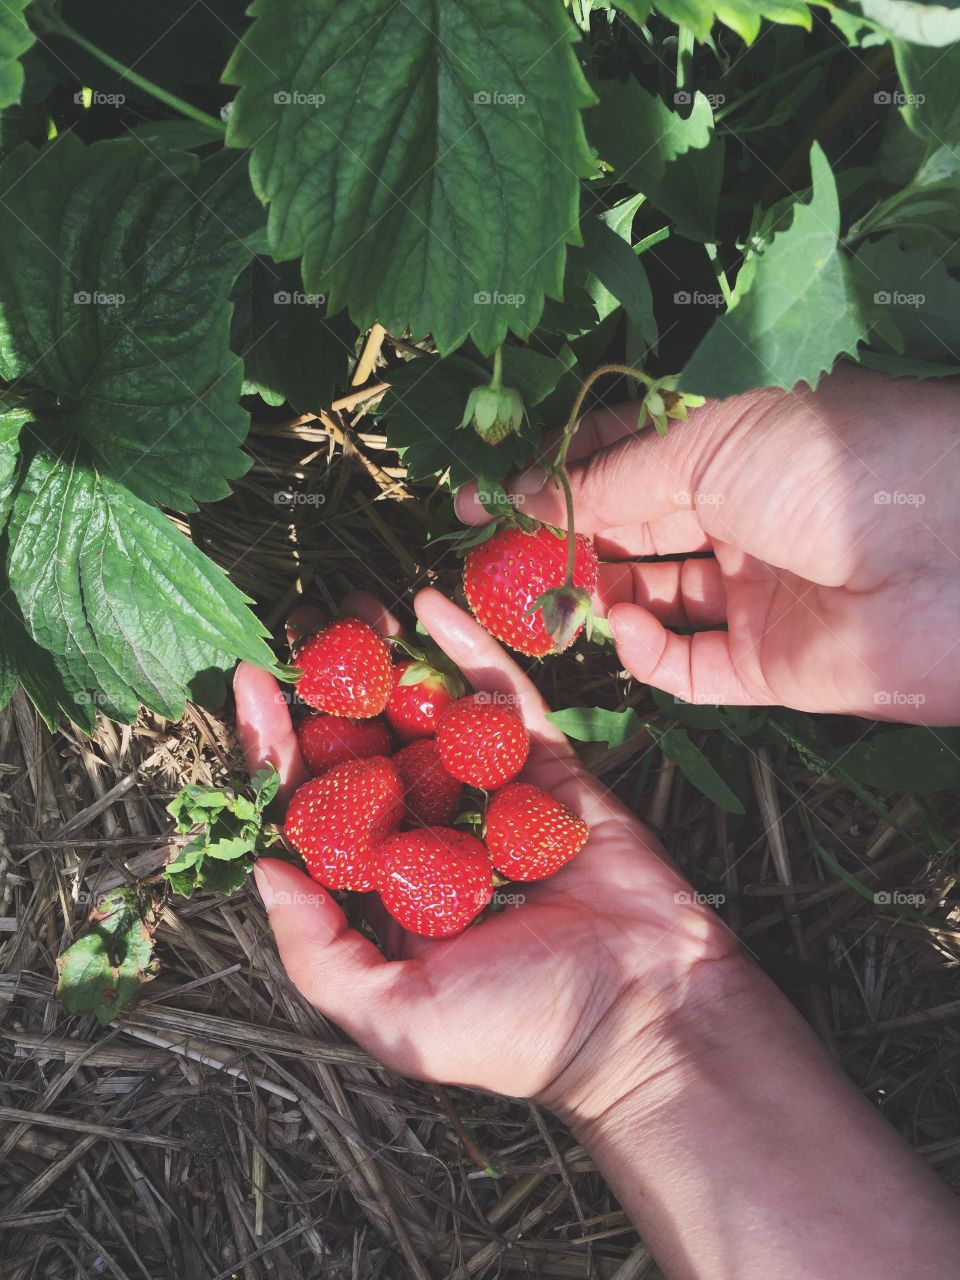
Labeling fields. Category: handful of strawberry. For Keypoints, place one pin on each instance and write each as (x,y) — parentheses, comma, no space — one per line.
(372,819)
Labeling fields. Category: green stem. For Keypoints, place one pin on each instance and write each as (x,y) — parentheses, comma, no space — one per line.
(805,65)
(570,427)
(154,90)
(496,381)
(571,533)
(684,58)
(719,272)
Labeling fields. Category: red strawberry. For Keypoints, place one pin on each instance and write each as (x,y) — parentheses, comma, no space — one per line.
(434,881)
(416,706)
(431,796)
(329,740)
(336,820)
(482,742)
(346,670)
(508,573)
(530,834)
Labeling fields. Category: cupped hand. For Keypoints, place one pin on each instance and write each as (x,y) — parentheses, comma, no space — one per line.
(563,997)
(819,529)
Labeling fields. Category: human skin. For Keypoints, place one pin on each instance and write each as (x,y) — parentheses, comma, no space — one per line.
(832,599)
(730,1137)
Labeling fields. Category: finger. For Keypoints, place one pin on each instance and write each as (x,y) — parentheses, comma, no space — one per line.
(695,668)
(304,622)
(679,593)
(265,728)
(485,664)
(679,533)
(362,605)
(336,968)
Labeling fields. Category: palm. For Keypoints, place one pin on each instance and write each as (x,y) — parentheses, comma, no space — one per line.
(507,1004)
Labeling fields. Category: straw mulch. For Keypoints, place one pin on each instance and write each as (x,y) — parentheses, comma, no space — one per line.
(223,1128)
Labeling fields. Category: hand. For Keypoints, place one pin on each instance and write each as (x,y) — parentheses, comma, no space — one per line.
(833,531)
(566,997)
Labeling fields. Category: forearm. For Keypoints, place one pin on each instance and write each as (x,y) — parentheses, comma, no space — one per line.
(742,1152)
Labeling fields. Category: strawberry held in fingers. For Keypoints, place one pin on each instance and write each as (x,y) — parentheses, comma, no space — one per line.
(530,834)
(345,670)
(434,881)
(420,697)
(335,821)
(506,577)
(482,741)
(329,740)
(431,796)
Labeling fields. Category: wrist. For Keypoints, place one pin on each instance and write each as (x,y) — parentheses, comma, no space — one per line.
(649,1050)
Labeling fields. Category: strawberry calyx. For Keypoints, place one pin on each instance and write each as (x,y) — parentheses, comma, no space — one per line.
(493,410)
(429,663)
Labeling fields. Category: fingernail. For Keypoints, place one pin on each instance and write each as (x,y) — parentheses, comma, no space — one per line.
(530,481)
(264,888)
(461,500)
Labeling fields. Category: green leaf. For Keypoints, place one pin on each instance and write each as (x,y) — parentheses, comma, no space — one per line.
(694,765)
(125,323)
(422,410)
(15,38)
(291,349)
(595,724)
(445,137)
(12,421)
(929,78)
(915,759)
(742,16)
(689,714)
(911,301)
(229,826)
(614,273)
(534,373)
(102,971)
(128,609)
(676,162)
(922,24)
(798,314)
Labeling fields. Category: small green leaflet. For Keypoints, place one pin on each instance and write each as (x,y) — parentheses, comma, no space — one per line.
(912,302)
(595,724)
(15,38)
(922,24)
(799,313)
(126,607)
(676,161)
(400,146)
(677,746)
(103,970)
(229,826)
(614,273)
(125,324)
(931,108)
(11,422)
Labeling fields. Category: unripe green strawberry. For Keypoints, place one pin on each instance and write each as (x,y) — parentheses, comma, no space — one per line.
(493,412)
(434,881)
(482,741)
(530,834)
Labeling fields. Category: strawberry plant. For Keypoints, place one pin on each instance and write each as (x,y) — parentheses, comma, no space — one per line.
(202,209)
